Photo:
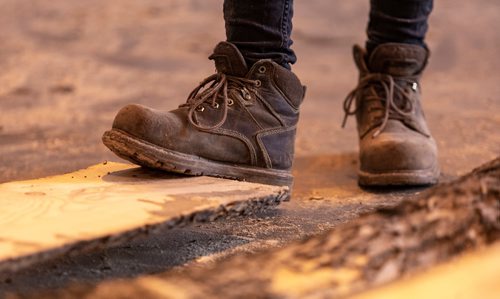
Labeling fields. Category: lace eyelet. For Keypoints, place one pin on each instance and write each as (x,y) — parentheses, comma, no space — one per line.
(230,102)
(200,109)
(258,83)
(215,105)
(414,86)
(262,69)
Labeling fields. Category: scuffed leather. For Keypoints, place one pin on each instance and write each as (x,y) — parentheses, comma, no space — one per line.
(259,131)
(403,145)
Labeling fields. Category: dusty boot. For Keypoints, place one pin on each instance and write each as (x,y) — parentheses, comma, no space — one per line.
(396,147)
(238,124)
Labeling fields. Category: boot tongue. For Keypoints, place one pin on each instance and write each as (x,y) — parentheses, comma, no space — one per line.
(228,60)
(398,59)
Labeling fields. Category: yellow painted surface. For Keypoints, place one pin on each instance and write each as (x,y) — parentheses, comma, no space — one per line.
(43,214)
(474,276)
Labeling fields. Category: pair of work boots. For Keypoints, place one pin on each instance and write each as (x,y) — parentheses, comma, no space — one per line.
(241,122)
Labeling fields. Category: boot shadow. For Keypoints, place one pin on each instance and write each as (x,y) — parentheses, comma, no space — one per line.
(140,173)
(338,174)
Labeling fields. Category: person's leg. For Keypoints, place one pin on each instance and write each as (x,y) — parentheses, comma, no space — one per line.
(239,123)
(398,21)
(396,147)
(261,29)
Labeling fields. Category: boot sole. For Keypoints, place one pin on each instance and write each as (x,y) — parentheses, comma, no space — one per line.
(399,178)
(143,153)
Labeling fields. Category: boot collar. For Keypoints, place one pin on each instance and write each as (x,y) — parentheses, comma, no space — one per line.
(229,60)
(398,59)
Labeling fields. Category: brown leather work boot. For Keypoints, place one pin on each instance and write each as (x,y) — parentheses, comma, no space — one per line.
(396,147)
(239,123)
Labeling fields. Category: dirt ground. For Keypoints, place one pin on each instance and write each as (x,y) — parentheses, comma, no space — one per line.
(68,66)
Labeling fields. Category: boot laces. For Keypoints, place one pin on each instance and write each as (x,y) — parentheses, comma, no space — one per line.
(396,101)
(216,91)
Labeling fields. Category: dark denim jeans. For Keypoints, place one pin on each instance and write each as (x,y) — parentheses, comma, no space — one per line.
(398,21)
(262,28)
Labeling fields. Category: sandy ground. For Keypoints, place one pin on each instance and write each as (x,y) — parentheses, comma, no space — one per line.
(68,66)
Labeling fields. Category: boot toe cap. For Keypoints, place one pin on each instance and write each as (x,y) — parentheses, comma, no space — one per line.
(143,122)
(398,153)
(133,119)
